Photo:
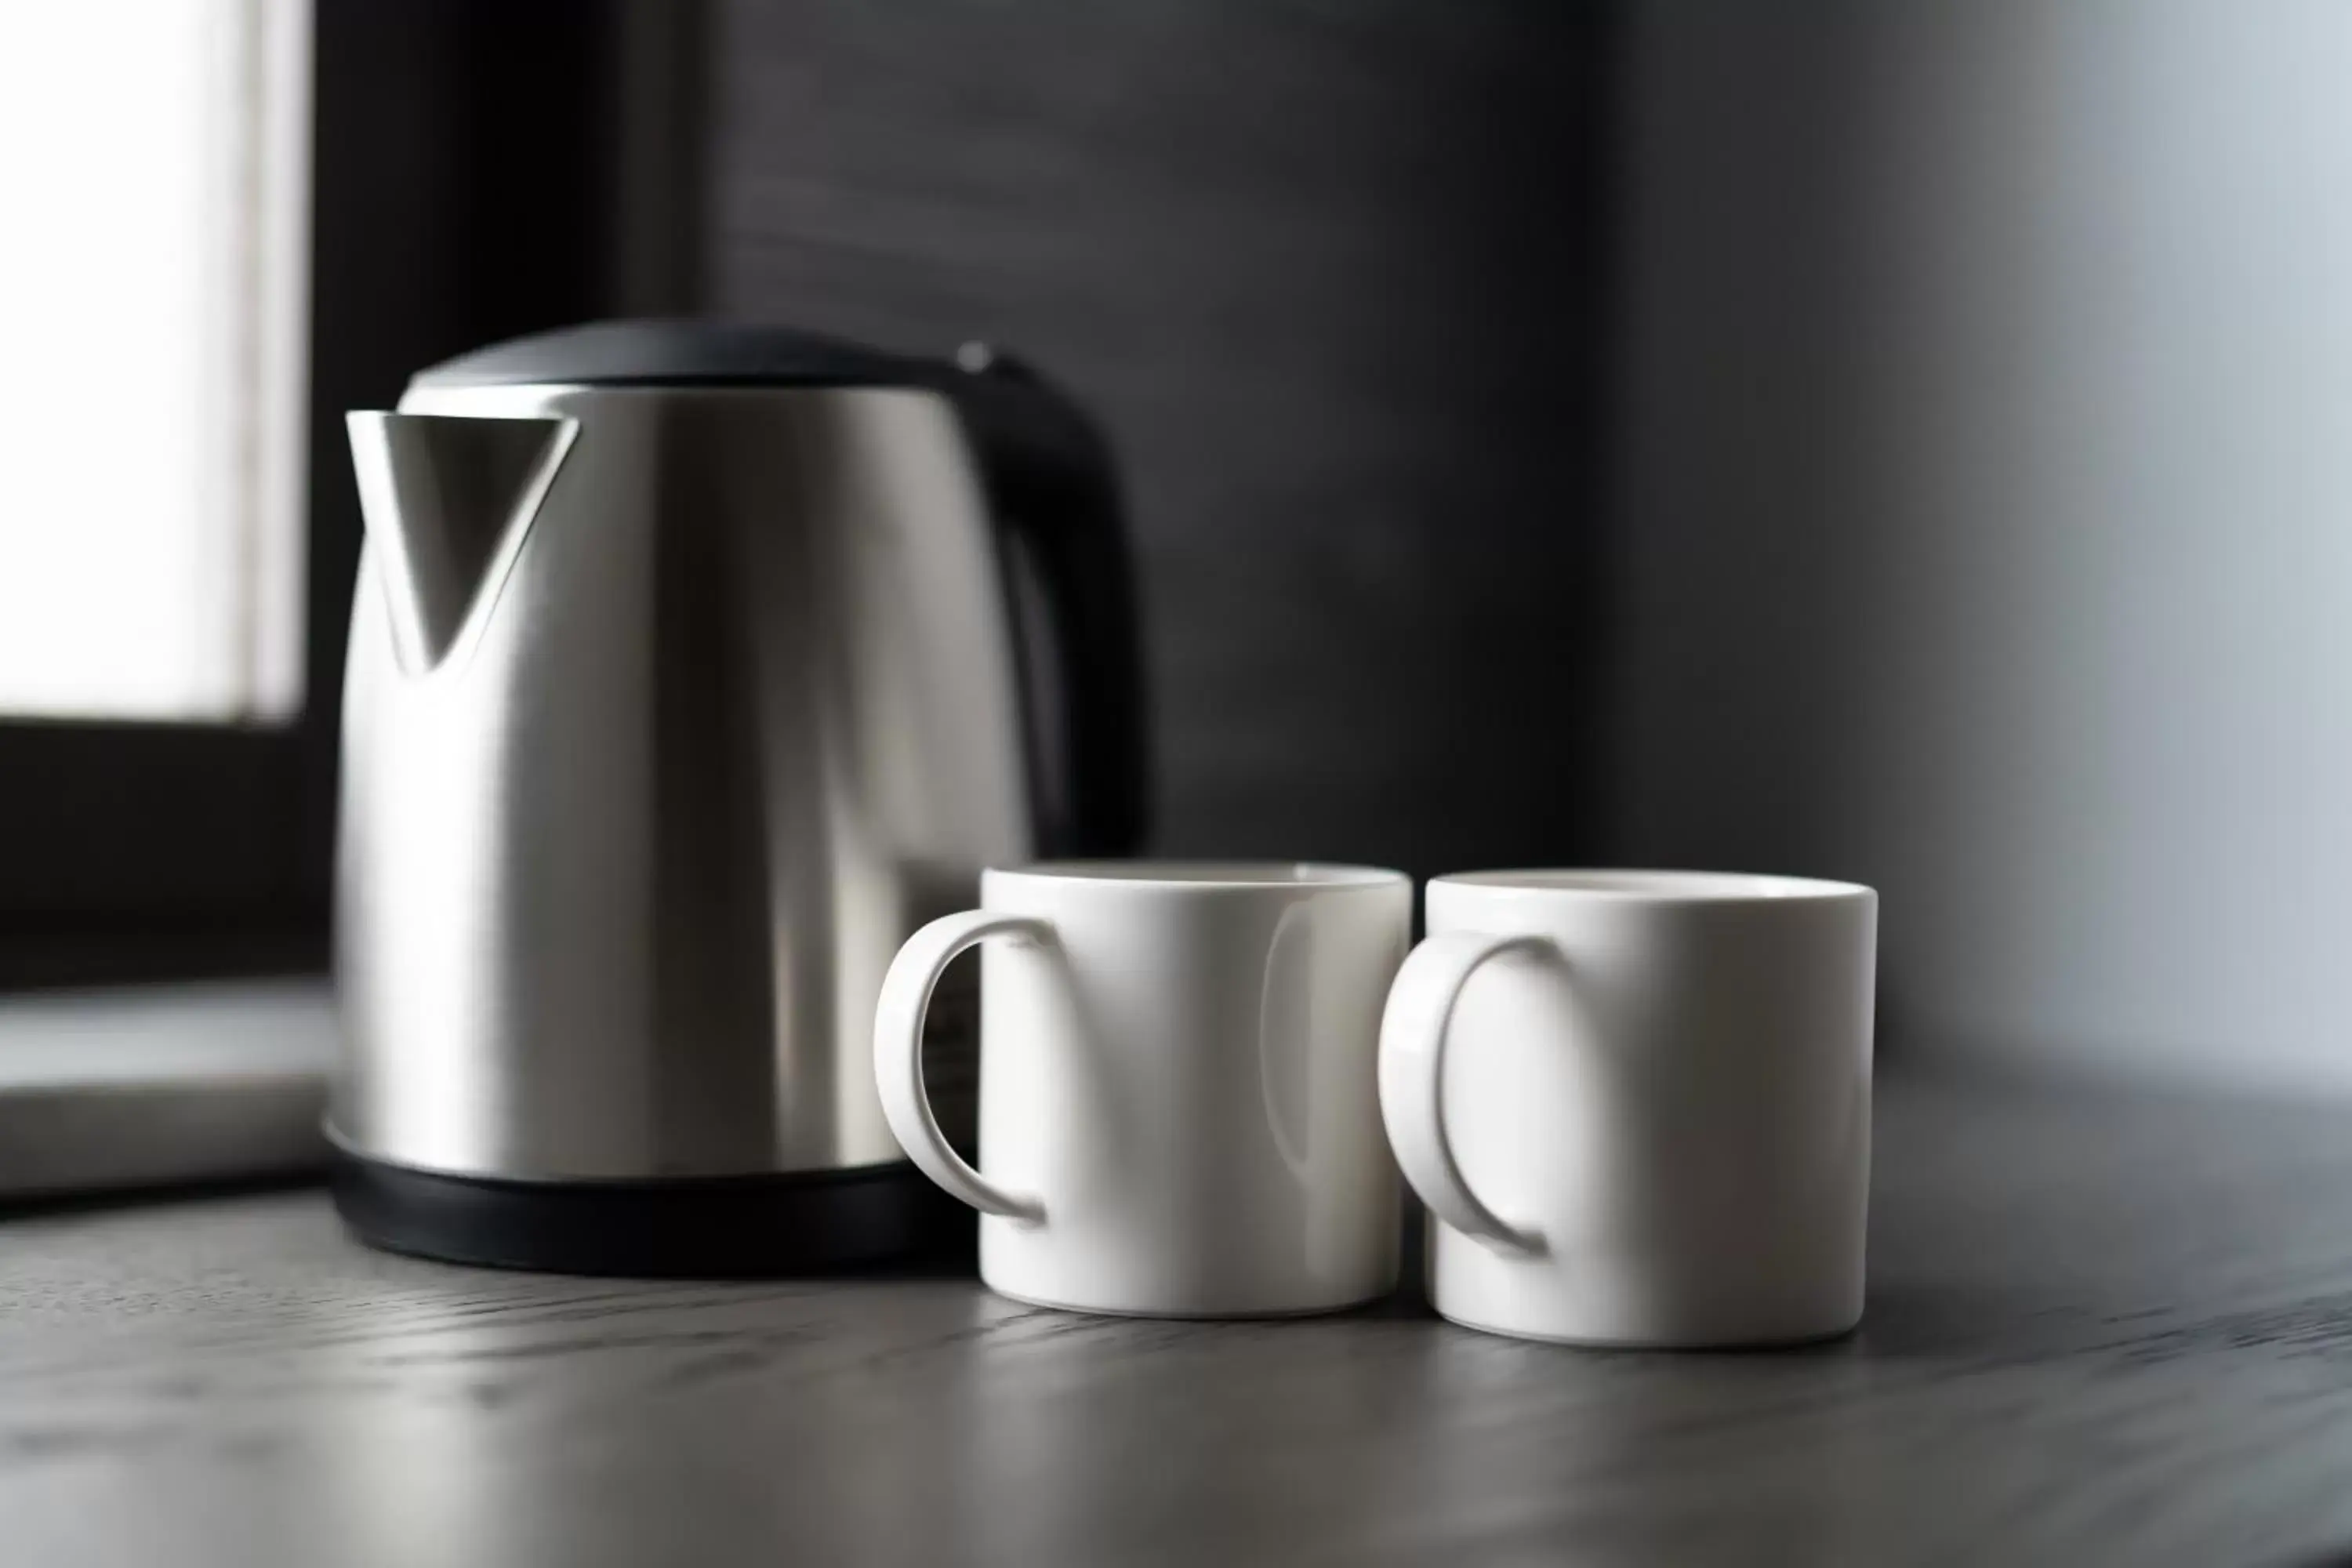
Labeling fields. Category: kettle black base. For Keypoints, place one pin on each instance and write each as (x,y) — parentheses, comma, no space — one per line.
(707,1227)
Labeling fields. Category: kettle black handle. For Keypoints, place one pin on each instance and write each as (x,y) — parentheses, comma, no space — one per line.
(1054,489)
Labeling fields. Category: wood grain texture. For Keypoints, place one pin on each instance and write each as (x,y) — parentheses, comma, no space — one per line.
(2101,1331)
(1329,273)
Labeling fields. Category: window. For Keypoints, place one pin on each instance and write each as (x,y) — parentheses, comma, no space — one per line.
(153,416)
(225,222)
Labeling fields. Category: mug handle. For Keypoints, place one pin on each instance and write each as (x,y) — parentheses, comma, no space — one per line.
(898,1053)
(1412,1062)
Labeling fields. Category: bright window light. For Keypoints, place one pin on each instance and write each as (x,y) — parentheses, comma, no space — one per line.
(154,174)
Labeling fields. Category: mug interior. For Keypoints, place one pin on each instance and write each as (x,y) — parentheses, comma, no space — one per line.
(1206,873)
(1659,887)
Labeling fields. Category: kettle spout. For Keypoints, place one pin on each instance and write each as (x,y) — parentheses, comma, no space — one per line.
(448,500)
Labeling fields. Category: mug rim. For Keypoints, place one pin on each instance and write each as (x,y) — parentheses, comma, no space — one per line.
(1205,875)
(1642,886)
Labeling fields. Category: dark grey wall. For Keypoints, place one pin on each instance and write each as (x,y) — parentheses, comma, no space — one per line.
(1329,272)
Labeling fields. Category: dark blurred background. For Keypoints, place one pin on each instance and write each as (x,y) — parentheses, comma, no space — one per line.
(1894,442)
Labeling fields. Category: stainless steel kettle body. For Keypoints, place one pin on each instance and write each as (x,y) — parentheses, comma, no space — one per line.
(675,700)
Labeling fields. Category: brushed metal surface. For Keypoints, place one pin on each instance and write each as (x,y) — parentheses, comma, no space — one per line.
(619,876)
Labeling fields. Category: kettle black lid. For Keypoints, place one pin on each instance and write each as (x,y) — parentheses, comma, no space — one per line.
(678,352)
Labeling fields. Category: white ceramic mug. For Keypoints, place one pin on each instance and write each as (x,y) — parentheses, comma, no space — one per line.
(1637,1103)
(1179,1102)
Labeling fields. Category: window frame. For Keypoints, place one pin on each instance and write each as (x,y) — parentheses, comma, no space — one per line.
(477,172)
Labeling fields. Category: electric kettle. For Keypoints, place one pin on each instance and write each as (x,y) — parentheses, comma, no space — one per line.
(691,668)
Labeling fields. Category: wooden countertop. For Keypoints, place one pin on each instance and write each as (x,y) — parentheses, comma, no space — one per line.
(2102,1329)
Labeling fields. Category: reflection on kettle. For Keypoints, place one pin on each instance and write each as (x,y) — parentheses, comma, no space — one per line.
(691,668)
(446,502)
